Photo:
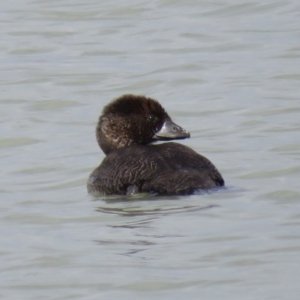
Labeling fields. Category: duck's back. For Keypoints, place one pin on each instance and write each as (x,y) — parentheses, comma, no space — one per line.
(168,168)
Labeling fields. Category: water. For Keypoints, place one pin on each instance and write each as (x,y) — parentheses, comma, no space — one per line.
(227,71)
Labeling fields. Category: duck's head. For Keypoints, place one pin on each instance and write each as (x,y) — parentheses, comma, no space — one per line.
(135,120)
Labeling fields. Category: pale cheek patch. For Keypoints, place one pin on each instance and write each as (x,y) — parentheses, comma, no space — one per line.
(117,133)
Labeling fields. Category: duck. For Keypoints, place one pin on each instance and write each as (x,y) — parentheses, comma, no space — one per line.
(126,132)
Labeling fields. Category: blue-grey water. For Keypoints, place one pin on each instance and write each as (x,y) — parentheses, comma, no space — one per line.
(227,71)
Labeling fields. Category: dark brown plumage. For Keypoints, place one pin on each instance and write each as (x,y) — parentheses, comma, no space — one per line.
(124,131)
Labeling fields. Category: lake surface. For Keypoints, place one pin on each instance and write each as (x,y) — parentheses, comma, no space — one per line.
(227,71)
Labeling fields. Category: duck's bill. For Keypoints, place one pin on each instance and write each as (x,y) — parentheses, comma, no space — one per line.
(171,131)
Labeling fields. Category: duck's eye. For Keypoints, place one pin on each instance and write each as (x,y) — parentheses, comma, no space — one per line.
(152,118)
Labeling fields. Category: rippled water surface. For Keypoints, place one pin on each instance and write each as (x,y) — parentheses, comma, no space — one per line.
(227,71)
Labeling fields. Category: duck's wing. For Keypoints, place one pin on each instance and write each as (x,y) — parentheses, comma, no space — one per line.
(125,171)
(181,157)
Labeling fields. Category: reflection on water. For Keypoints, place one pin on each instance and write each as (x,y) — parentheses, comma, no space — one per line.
(139,211)
(228,71)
